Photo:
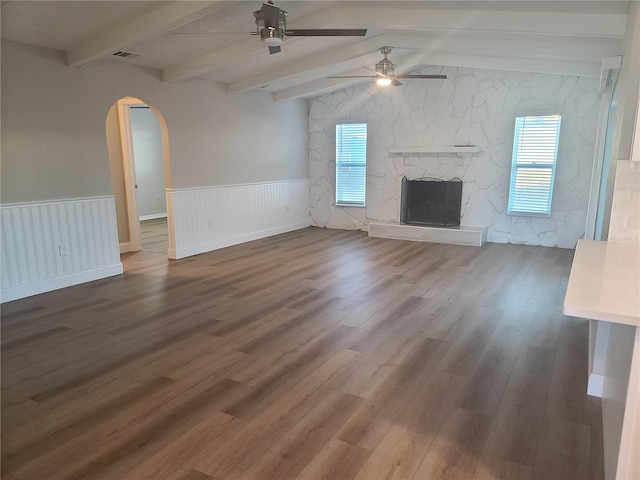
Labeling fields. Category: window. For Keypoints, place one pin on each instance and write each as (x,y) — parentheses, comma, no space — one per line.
(535,150)
(351,164)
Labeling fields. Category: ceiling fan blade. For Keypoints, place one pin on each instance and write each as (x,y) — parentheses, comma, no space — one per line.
(214,33)
(377,74)
(395,82)
(354,76)
(273,50)
(271,15)
(327,32)
(432,77)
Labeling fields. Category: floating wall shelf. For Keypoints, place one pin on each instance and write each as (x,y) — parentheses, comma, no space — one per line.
(447,149)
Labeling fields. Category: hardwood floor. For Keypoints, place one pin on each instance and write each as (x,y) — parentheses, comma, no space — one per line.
(318,354)
(154,235)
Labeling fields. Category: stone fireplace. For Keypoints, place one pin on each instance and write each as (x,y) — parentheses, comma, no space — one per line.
(431,202)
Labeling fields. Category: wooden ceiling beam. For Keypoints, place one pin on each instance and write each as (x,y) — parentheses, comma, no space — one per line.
(252,46)
(575,50)
(165,18)
(320,87)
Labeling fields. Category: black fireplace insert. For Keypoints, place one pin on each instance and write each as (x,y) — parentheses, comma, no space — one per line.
(431,202)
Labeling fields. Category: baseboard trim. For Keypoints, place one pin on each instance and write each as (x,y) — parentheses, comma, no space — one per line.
(177,254)
(23,291)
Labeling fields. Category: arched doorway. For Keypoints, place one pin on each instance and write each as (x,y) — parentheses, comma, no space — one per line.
(137,143)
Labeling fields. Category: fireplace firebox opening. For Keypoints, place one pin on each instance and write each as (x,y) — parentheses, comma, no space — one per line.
(431,202)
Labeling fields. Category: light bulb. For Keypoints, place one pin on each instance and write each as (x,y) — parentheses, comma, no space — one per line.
(272,41)
(383,81)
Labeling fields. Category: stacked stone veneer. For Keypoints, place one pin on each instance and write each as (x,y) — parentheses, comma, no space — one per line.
(472,106)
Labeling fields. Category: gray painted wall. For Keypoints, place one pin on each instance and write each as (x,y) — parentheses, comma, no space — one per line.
(54,143)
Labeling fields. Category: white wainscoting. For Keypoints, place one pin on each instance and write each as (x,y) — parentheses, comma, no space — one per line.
(50,245)
(205,219)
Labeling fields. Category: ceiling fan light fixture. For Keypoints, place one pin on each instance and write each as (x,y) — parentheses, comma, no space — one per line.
(271,23)
(386,72)
(271,41)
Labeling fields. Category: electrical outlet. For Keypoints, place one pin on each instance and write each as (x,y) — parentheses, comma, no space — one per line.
(63,250)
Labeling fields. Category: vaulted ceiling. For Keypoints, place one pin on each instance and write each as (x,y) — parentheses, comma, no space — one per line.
(212,39)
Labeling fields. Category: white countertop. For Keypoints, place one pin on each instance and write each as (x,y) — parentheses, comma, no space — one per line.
(605,282)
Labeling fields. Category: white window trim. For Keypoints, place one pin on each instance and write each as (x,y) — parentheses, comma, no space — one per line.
(547,166)
(347,204)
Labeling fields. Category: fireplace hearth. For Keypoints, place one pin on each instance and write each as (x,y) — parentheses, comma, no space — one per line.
(431,202)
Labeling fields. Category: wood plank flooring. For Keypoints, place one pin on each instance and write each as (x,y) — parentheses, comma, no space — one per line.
(154,235)
(318,354)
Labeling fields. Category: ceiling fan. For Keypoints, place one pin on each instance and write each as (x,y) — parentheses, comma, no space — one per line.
(385,72)
(271,23)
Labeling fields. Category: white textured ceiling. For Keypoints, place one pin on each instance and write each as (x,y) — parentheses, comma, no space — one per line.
(211,39)
(59,25)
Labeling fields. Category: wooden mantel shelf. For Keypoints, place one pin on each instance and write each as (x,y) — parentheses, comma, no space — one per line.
(443,149)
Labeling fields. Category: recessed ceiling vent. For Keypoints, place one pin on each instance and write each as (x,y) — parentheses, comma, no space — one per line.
(125,54)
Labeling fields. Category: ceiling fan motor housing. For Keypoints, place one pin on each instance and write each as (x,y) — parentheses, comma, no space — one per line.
(385,67)
(271,25)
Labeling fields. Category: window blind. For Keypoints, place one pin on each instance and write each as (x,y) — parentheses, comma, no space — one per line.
(351,164)
(535,151)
